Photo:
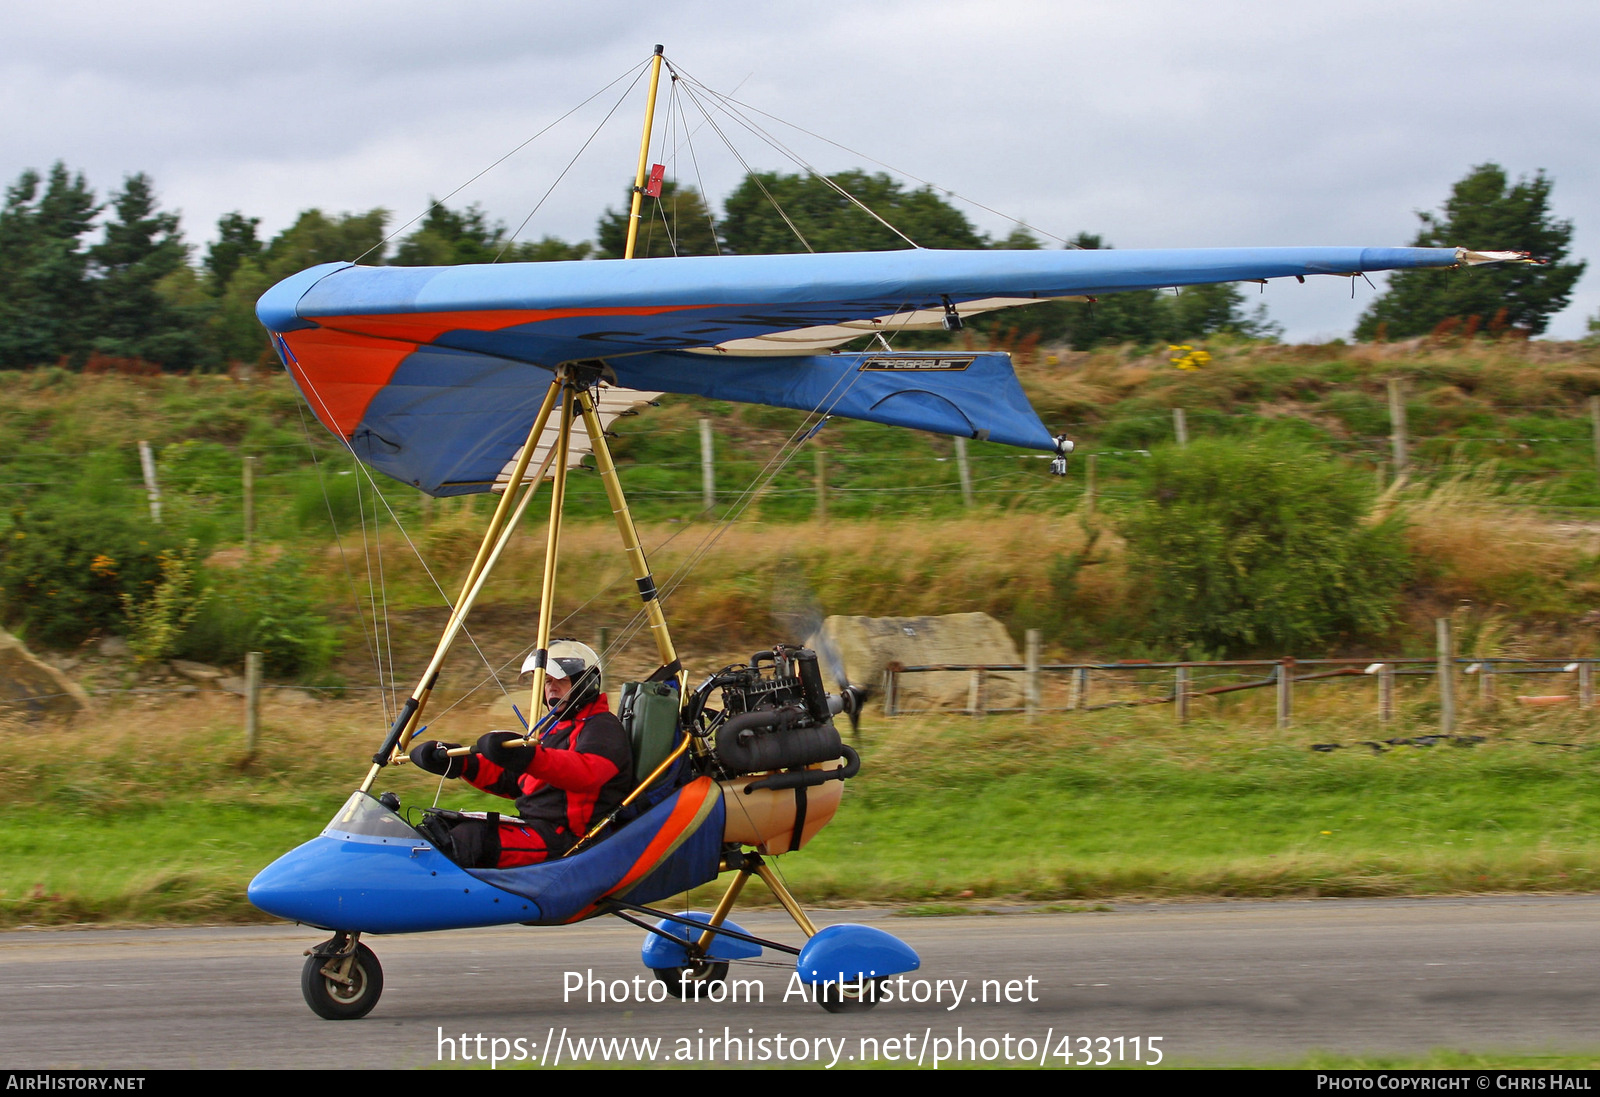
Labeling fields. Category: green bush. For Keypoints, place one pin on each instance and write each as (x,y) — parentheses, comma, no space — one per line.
(1261,545)
(68,571)
(270,609)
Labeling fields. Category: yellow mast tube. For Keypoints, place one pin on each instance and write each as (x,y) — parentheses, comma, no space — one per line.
(644,155)
(505,539)
(630,536)
(406,724)
(547,595)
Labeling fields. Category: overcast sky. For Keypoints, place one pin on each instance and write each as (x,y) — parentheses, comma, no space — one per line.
(1153,123)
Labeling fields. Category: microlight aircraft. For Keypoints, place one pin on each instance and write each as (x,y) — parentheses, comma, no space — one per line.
(498,378)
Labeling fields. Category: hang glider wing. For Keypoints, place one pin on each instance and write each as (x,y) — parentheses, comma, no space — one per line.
(434,374)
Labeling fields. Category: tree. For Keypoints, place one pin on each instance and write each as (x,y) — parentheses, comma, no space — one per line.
(831,222)
(233,329)
(551,249)
(1019,239)
(44,286)
(236,242)
(317,238)
(144,307)
(677,223)
(1483,213)
(1142,316)
(450,237)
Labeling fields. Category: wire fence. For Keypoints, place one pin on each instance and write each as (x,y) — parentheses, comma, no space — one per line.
(864,472)
(981,689)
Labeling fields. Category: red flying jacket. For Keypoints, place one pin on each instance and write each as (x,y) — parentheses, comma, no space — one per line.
(581,771)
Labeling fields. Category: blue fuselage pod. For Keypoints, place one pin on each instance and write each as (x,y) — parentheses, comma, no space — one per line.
(370,872)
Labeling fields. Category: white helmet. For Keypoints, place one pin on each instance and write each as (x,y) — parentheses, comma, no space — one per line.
(567,659)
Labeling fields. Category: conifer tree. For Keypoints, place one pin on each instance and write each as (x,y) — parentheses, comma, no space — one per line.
(44,287)
(144,305)
(1483,213)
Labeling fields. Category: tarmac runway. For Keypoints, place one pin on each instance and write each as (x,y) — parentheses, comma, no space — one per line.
(1218,982)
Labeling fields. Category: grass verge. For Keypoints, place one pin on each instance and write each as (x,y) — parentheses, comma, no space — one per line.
(155,815)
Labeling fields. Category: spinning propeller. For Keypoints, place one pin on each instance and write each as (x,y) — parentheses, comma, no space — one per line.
(797,613)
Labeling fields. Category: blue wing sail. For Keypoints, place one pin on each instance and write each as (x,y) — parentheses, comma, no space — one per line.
(433,374)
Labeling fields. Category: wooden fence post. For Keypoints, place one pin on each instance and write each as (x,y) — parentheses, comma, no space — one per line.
(1180,427)
(1031,689)
(1397,426)
(1385,693)
(1080,689)
(1486,682)
(975,699)
(1446,673)
(1594,426)
(708,472)
(1586,685)
(964,471)
(820,477)
(1180,694)
(249,505)
(890,701)
(1285,691)
(147,464)
(252,700)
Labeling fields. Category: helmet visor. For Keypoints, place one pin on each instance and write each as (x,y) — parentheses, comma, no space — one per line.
(562,667)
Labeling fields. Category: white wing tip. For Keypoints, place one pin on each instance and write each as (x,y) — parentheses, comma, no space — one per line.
(1478,258)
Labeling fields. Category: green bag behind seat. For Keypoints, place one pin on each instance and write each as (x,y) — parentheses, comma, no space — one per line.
(650,717)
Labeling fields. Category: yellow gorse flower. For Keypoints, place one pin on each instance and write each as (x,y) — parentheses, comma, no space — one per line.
(1186,357)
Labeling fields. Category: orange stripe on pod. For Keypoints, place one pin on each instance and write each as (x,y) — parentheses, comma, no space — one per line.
(694,804)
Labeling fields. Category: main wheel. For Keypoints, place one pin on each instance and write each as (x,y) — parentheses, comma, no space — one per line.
(705,973)
(855,997)
(336,1001)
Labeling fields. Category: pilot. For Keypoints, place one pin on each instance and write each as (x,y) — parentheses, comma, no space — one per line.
(577,773)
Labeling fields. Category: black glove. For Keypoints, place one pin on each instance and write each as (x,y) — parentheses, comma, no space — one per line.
(507,750)
(433,756)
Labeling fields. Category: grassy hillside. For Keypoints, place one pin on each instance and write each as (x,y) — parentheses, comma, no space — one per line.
(1499,508)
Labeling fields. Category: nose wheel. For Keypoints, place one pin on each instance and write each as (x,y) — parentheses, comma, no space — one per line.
(342,979)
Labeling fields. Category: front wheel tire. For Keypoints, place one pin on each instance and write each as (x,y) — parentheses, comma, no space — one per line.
(682,981)
(855,997)
(334,1000)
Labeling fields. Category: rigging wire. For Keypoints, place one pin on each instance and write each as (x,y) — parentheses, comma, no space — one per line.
(774,143)
(898,171)
(750,173)
(355,595)
(786,452)
(372,597)
(621,575)
(581,150)
(361,470)
(688,139)
(441,201)
(388,641)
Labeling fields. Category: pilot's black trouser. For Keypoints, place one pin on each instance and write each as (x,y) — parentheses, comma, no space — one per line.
(494,842)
